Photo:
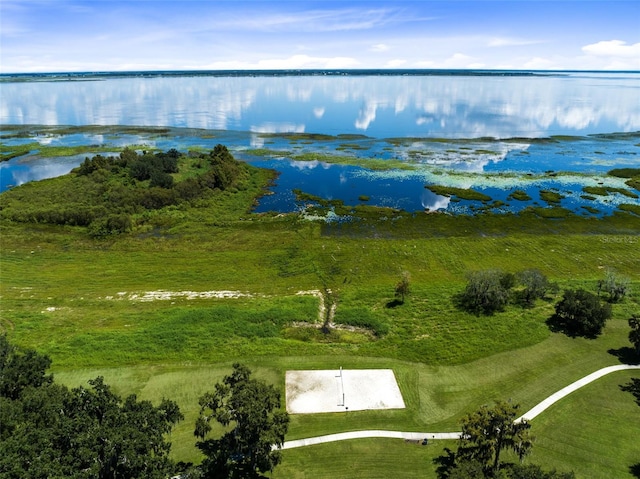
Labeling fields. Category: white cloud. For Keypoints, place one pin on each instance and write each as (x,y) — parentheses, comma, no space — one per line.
(380,47)
(458,60)
(613,48)
(274,127)
(397,63)
(366,116)
(425,64)
(612,55)
(318,112)
(538,63)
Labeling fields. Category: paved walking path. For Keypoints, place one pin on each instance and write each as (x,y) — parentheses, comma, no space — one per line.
(419,436)
(572,387)
(411,436)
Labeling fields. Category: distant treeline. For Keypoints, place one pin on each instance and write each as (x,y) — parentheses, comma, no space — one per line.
(80,76)
(106,193)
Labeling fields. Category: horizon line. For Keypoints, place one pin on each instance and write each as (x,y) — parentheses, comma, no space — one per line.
(313,70)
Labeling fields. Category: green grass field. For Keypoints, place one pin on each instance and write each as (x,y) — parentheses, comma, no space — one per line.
(70,297)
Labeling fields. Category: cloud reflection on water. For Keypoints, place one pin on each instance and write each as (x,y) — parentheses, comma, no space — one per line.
(380,106)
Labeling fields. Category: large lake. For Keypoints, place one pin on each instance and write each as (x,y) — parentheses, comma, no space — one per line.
(418,107)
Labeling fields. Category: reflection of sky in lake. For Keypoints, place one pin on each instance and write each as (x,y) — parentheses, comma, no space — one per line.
(406,189)
(378,106)
(22,170)
(339,182)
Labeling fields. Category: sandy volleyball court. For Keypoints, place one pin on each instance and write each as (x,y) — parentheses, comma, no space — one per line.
(341,390)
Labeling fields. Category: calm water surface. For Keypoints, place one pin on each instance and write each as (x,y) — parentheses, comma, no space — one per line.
(458,106)
(244,108)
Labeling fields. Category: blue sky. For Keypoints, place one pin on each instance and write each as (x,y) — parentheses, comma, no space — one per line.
(110,35)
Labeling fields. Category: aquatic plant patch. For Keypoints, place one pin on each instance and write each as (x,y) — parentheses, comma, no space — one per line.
(519,195)
(624,172)
(635,209)
(462,193)
(551,196)
(607,190)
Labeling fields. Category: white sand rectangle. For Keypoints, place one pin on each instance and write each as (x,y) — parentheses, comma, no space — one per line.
(344,390)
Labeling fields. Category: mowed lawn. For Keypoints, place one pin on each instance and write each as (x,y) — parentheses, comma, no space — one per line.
(593,431)
(436,398)
(61,295)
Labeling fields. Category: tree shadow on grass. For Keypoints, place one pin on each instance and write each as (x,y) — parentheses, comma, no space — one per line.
(632,387)
(625,355)
(394,303)
(635,470)
(557,324)
(444,463)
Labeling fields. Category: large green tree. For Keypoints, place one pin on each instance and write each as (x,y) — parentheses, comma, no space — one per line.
(489,431)
(21,368)
(580,313)
(486,433)
(250,409)
(50,431)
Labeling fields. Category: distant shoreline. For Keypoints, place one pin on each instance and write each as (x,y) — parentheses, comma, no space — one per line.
(104,75)
(78,76)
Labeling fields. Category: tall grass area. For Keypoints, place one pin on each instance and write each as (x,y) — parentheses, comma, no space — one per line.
(69,297)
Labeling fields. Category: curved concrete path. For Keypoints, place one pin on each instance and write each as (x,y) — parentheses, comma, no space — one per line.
(410,436)
(529,415)
(419,436)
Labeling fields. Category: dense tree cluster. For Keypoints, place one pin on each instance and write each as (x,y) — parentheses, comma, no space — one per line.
(140,167)
(110,194)
(578,313)
(489,291)
(48,430)
(486,292)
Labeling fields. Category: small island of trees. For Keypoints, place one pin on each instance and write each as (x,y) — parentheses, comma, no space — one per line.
(111,194)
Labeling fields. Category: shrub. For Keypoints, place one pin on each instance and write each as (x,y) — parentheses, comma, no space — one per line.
(535,286)
(615,286)
(112,224)
(487,291)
